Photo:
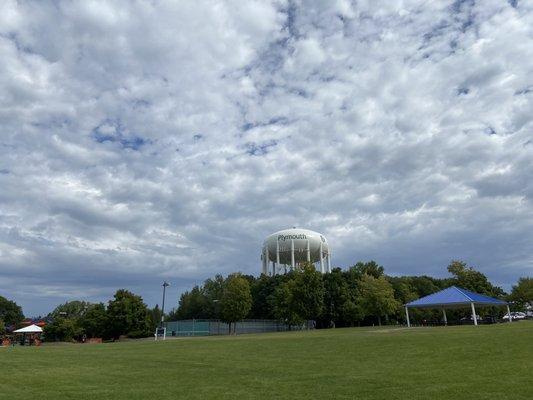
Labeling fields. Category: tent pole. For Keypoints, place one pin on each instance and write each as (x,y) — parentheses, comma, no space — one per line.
(474,313)
(509,313)
(444,314)
(407,317)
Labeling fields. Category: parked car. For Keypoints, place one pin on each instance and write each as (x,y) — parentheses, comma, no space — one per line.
(516,315)
(519,315)
(470,318)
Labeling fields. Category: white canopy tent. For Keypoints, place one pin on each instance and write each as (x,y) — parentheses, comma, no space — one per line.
(30,329)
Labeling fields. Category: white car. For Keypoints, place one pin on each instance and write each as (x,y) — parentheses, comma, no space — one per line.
(515,315)
(519,315)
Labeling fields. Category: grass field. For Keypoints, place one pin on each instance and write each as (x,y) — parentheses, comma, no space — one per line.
(484,362)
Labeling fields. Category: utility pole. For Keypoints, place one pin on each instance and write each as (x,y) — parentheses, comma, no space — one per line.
(165,285)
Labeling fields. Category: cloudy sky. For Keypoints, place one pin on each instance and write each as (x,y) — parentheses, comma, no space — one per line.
(148,140)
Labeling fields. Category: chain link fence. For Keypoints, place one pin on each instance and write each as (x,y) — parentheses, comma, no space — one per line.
(207,327)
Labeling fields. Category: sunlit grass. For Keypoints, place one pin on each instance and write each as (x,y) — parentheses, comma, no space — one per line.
(484,362)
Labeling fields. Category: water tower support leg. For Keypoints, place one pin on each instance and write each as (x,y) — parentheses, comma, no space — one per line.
(292,254)
(267,257)
(321,259)
(263,259)
(308,251)
(277,252)
(329,262)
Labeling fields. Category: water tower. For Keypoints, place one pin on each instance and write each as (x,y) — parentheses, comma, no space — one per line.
(285,249)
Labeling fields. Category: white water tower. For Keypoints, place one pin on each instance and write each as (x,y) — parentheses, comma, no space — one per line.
(285,249)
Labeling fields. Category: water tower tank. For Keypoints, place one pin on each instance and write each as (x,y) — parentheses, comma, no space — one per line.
(287,248)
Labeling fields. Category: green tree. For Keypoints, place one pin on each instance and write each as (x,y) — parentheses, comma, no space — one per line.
(94,321)
(336,294)
(236,300)
(2,327)
(62,329)
(307,290)
(155,317)
(263,294)
(282,304)
(522,293)
(371,268)
(193,304)
(71,309)
(128,315)
(470,279)
(375,297)
(10,312)
(213,290)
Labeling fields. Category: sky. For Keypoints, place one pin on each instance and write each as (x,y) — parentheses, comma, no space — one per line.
(149,140)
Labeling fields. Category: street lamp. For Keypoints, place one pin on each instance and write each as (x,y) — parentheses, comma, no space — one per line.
(165,285)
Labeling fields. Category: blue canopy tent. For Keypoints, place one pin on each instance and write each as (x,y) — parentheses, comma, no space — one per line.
(454,297)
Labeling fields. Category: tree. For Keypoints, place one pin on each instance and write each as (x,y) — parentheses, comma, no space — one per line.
(155,317)
(522,293)
(2,327)
(71,309)
(336,294)
(236,299)
(470,279)
(375,297)
(94,321)
(193,304)
(263,295)
(371,268)
(62,329)
(128,315)
(213,290)
(307,292)
(282,304)
(10,312)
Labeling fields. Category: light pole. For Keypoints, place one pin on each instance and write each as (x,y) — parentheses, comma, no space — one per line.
(165,285)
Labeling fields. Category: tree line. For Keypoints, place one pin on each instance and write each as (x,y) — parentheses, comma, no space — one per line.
(360,295)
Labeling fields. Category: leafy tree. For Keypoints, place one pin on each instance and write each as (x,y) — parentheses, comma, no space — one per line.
(470,279)
(10,312)
(351,313)
(62,329)
(94,321)
(375,297)
(155,317)
(336,294)
(522,292)
(236,299)
(128,315)
(193,304)
(307,290)
(2,327)
(71,309)
(371,268)
(263,295)
(213,290)
(425,285)
(283,304)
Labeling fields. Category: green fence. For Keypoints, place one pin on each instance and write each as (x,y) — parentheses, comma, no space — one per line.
(193,327)
(205,327)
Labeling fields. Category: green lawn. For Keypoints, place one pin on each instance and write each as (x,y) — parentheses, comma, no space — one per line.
(484,362)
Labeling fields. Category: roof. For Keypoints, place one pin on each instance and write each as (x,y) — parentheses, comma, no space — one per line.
(29,329)
(455,296)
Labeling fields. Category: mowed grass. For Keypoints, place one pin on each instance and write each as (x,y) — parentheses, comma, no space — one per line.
(466,362)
